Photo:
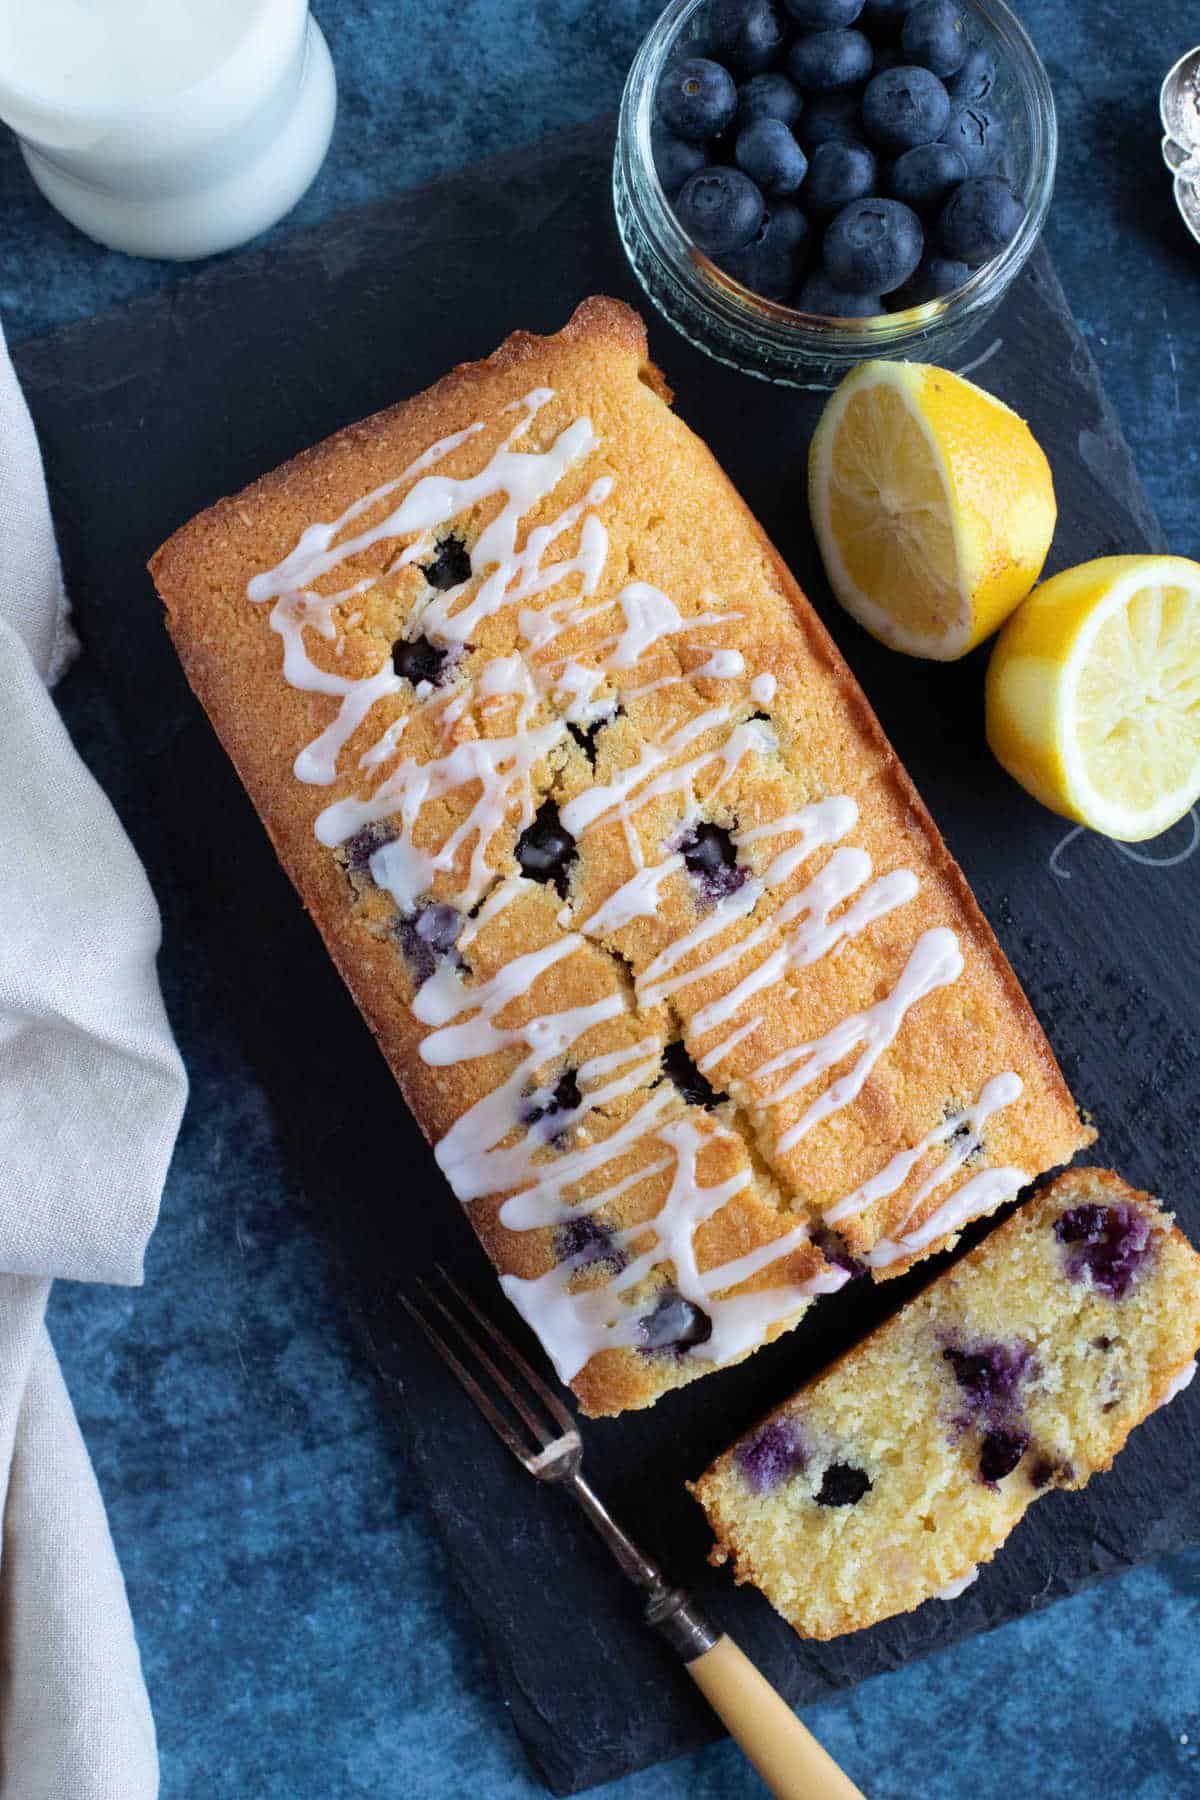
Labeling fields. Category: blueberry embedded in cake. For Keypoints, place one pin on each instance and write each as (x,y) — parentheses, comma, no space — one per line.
(674,1326)
(546,849)
(710,858)
(966,1428)
(1106,1245)
(428,938)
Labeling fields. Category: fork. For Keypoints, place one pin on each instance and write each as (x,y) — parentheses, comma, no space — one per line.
(784,1752)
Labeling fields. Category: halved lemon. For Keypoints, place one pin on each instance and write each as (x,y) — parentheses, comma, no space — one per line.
(933,506)
(1093,694)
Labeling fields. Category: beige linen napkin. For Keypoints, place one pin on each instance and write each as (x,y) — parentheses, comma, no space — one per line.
(91,1093)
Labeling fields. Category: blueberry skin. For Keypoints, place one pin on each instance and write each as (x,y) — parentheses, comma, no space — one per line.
(933,279)
(935,35)
(773,261)
(767,152)
(750,33)
(905,107)
(978,135)
(975,83)
(821,61)
(819,295)
(831,119)
(770,96)
(925,178)
(674,158)
(720,209)
(838,174)
(872,246)
(824,15)
(697,98)
(981,216)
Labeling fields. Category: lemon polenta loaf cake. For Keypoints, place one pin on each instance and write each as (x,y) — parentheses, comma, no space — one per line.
(671,964)
(892,1476)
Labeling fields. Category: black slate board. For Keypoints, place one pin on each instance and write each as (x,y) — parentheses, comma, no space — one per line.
(150,413)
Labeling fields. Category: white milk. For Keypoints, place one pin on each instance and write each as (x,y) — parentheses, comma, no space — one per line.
(167,127)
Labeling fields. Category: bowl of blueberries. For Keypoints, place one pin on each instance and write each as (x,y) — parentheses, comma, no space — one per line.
(803,183)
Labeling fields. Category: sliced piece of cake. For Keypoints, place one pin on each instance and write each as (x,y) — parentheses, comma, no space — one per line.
(888,1480)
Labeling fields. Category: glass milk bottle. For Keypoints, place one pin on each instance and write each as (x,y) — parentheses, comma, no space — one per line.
(170,128)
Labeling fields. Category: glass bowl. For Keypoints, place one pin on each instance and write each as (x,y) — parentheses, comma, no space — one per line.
(776,342)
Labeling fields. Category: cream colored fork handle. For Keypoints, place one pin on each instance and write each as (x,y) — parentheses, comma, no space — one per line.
(785,1753)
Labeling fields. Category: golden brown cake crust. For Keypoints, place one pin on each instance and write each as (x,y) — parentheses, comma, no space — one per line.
(1086,1360)
(674,524)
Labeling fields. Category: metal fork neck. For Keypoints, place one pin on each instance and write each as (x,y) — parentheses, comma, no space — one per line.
(668,1609)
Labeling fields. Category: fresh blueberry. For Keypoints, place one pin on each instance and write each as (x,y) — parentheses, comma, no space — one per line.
(999,1455)
(565,1097)
(693,1087)
(416,659)
(451,565)
(774,1453)
(830,119)
(674,158)
(979,219)
(675,1324)
(546,849)
(821,296)
(720,209)
(770,96)
(428,936)
(1107,1243)
(977,134)
(710,858)
(975,83)
(587,1243)
(767,152)
(925,177)
(933,279)
(872,246)
(696,98)
(838,174)
(905,107)
(359,849)
(772,262)
(843,1485)
(883,19)
(824,15)
(934,34)
(750,33)
(824,60)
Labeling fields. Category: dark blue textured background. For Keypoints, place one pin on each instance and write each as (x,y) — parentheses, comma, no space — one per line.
(298,1635)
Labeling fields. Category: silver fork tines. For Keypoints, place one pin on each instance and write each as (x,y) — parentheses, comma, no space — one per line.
(558,1452)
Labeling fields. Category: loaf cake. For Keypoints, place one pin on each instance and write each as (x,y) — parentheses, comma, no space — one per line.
(887,1480)
(667,957)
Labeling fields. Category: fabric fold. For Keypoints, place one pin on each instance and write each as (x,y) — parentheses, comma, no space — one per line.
(91,1094)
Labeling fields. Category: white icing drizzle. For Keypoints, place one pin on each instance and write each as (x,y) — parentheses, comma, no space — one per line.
(762,689)
(953,1589)
(935,962)
(1178,1383)
(1001,1091)
(574,1326)
(982,1194)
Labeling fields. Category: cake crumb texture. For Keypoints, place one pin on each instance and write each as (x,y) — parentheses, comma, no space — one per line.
(889,1478)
